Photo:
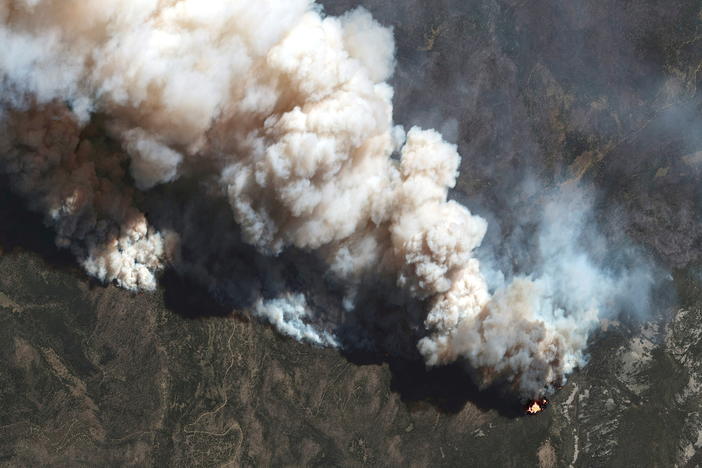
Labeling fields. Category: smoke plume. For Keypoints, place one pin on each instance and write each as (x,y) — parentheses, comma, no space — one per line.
(287,114)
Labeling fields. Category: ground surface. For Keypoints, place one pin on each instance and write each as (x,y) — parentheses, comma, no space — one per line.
(604,92)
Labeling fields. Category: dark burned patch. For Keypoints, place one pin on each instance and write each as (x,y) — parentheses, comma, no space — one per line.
(22,229)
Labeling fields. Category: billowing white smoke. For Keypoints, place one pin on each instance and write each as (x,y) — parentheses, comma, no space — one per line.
(288,112)
(287,315)
(536,328)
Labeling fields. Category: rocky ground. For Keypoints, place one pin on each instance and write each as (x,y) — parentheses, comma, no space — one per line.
(603,93)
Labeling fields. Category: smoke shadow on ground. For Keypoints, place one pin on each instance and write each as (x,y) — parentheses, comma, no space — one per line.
(190,299)
(218,275)
(214,272)
(22,229)
(447,388)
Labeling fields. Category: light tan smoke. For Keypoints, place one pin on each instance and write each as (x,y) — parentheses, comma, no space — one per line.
(289,111)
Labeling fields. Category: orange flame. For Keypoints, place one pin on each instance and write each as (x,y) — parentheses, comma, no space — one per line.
(536,406)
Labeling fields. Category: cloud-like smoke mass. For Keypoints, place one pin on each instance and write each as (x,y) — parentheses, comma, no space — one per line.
(287,114)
